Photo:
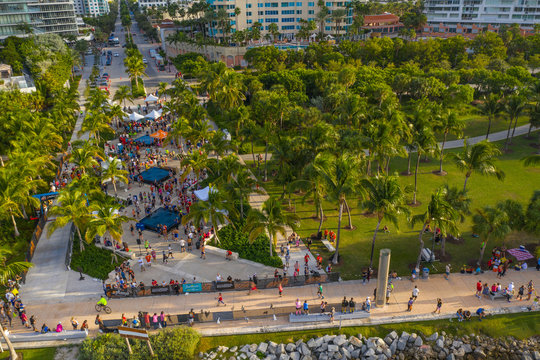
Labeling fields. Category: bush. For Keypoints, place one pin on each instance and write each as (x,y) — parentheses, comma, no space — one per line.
(177,343)
(258,251)
(137,91)
(93,261)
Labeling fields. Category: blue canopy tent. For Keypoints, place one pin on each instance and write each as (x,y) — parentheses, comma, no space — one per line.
(146,140)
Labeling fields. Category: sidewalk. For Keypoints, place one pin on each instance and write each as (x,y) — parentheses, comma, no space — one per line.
(457,292)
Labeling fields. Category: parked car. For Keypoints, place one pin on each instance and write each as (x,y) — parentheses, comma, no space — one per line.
(116,54)
(144,61)
(105,75)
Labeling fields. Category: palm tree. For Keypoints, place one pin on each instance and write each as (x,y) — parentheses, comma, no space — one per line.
(439,215)
(12,195)
(459,200)
(71,207)
(106,220)
(195,163)
(216,210)
(85,157)
(122,94)
(534,118)
(116,112)
(272,219)
(514,107)
(162,89)
(386,199)
(273,30)
(337,18)
(340,176)
(490,107)
(12,269)
(237,12)
(321,17)
(532,214)
(448,123)
(241,187)
(135,68)
(478,159)
(113,172)
(531,160)
(96,123)
(490,223)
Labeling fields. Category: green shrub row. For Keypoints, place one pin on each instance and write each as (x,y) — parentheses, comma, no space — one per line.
(259,250)
(171,344)
(137,91)
(93,261)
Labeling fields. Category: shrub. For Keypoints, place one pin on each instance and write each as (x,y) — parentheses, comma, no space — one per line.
(237,240)
(93,261)
(178,343)
(137,91)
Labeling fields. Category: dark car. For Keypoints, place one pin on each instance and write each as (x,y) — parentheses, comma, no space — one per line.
(161,67)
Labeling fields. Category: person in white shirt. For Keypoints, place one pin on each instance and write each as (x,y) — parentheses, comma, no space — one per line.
(511,287)
(415,292)
(218,277)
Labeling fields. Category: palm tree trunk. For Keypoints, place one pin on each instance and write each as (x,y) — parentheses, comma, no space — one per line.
(482,250)
(514,130)
(81,241)
(508,135)
(14,225)
(349,214)
(336,254)
(529,132)
(416,176)
(443,246)
(242,207)
(489,127)
(419,259)
(465,184)
(321,214)
(12,352)
(271,244)
(373,242)
(442,152)
(265,162)
(409,164)
(23,209)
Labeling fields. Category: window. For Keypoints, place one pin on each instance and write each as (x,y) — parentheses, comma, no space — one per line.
(311,12)
(250,21)
(311,3)
(287,27)
(248,6)
(248,13)
(272,20)
(287,20)
(298,4)
(284,4)
(271,12)
(328,4)
(287,12)
(261,12)
(298,12)
(260,5)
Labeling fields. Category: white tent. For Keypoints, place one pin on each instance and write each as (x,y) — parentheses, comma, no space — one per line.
(154,114)
(202,194)
(134,116)
(151,98)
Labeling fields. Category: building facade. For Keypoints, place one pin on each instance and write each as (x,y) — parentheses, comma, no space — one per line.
(382,25)
(91,8)
(20,17)
(150,3)
(287,15)
(447,18)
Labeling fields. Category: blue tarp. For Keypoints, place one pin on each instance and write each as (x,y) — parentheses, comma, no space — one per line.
(154,174)
(161,217)
(39,196)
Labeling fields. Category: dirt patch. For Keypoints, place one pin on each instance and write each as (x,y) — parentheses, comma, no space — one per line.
(369,215)
(440,173)
(443,259)
(405,173)
(67,353)
(455,240)
(349,228)
(418,203)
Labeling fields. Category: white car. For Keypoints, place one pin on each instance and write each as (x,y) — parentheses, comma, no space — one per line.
(144,61)
(116,54)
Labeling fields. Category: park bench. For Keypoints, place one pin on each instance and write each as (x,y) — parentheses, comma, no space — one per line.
(497,295)
(428,256)
(329,246)
(50,336)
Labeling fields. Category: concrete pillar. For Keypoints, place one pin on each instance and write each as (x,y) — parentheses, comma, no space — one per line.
(382,277)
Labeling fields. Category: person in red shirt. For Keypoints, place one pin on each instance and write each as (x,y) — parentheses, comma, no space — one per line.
(325,234)
(280,289)
(478,289)
(319,261)
(220,300)
(306,258)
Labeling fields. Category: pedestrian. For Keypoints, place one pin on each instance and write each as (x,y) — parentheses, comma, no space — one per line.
(352,305)
(203,253)
(344,305)
(162,321)
(74,323)
(298,307)
(481,313)
(33,322)
(306,308)
(155,321)
(146,245)
(410,304)
(220,300)
(415,292)
(280,289)
(364,276)
(141,264)
(530,291)
(438,308)
(320,292)
(368,304)
(479,289)
(170,252)
(323,307)
(447,272)
(521,291)
(165,257)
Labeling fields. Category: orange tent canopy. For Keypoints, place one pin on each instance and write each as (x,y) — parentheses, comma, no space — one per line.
(160,134)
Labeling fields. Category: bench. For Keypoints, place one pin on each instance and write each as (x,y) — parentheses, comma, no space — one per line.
(497,295)
(428,256)
(50,336)
(329,246)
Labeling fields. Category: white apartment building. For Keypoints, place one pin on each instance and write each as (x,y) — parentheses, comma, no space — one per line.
(469,17)
(91,8)
(286,14)
(150,3)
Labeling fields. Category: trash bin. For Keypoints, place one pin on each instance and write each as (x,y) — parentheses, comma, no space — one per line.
(425,273)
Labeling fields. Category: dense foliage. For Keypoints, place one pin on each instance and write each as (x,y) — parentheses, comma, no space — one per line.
(93,261)
(178,343)
(238,241)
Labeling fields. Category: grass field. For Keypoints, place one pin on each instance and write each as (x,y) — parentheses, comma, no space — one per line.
(522,325)
(519,184)
(33,354)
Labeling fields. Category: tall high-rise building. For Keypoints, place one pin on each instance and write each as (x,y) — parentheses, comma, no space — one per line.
(91,8)
(19,17)
(287,15)
(469,17)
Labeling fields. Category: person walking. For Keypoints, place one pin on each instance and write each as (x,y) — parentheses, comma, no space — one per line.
(410,304)
(447,272)
(280,289)
(170,252)
(521,291)
(203,253)
(220,300)
(165,257)
(33,322)
(438,308)
(298,307)
(320,292)
(415,292)
(479,288)
(368,304)
(306,308)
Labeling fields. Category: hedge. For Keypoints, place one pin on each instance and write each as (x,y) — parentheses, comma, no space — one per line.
(137,92)
(171,344)
(237,240)
(93,261)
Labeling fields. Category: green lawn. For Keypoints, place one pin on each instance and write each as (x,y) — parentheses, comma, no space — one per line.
(476,124)
(521,325)
(355,246)
(33,354)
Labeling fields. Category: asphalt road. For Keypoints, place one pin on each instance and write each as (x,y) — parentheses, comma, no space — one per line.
(116,70)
